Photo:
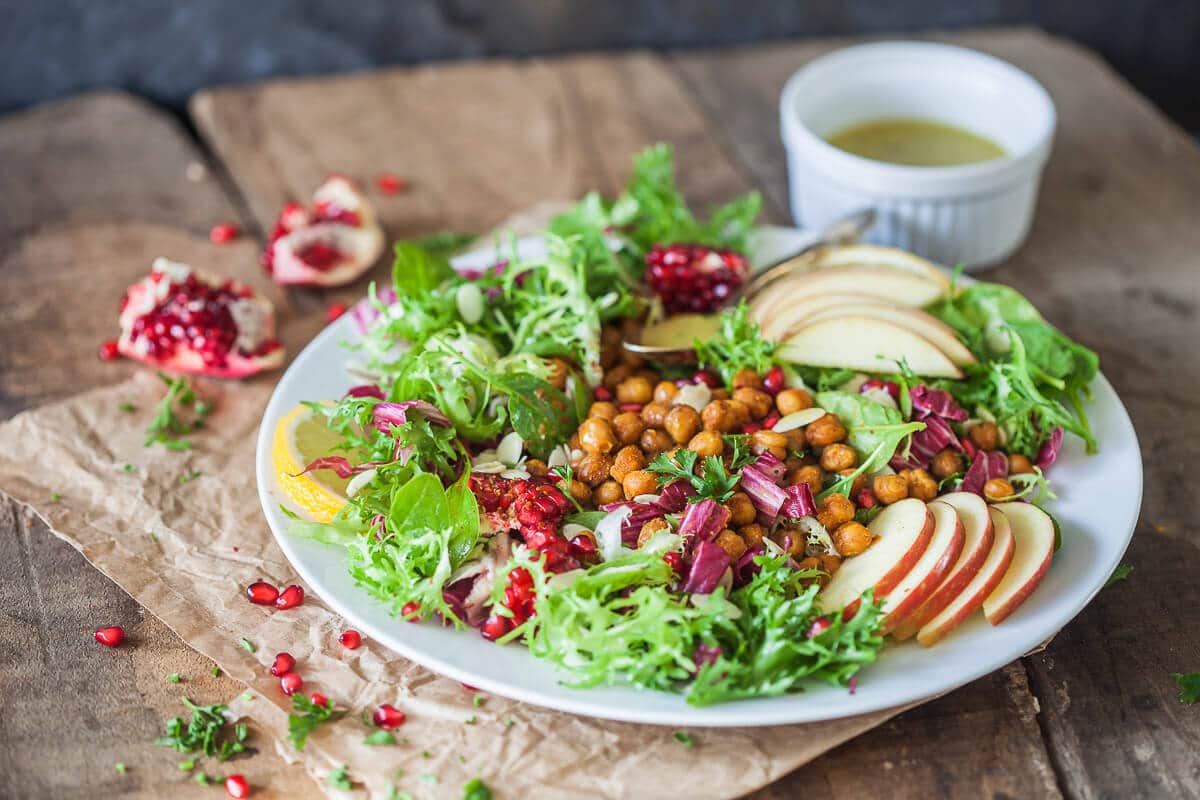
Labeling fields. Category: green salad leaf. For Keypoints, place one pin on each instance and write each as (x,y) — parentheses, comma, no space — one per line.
(875,431)
(736,346)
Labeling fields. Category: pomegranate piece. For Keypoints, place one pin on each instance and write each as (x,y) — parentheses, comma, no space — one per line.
(388,717)
(329,244)
(236,786)
(351,640)
(709,378)
(334,311)
(290,682)
(411,611)
(181,320)
(290,597)
(388,183)
(774,381)
(109,351)
(262,593)
(110,636)
(819,626)
(674,560)
(225,232)
(689,277)
(319,700)
(283,664)
(495,626)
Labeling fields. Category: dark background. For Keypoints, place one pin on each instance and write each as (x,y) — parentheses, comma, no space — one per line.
(166,50)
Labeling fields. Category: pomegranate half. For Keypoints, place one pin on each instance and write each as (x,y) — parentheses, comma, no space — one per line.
(180,320)
(329,244)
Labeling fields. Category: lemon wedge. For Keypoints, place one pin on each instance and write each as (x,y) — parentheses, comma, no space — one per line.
(301,438)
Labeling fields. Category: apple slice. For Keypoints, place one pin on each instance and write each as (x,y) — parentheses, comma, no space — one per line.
(863,255)
(914,319)
(866,344)
(1033,533)
(977,543)
(902,533)
(892,285)
(926,575)
(973,595)
(785,317)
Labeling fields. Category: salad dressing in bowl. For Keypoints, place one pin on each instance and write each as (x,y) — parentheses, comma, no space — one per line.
(915,142)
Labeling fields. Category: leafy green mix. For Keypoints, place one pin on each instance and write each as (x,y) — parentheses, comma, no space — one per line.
(874,430)
(736,346)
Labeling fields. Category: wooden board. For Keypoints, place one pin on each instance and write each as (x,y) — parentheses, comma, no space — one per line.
(1112,260)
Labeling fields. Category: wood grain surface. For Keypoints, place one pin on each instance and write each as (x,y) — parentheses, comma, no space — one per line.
(1114,259)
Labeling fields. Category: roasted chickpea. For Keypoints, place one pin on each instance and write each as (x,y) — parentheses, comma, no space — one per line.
(682,423)
(1019,464)
(654,442)
(921,484)
(607,492)
(834,510)
(837,457)
(889,489)
(655,414)
(809,563)
(593,469)
(628,459)
(731,543)
(560,368)
(797,442)
(639,482)
(580,491)
(851,538)
(741,510)
(946,463)
(602,409)
(985,435)
(857,484)
(716,416)
(825,431)
(635,390)
(740,413)
(617,374)
(649,529)
(628,427)
(759,402)
(596,436)
(829,564)
(789,401)
(769,442)
(998,489)
(809,474)
(792,540)
(747,378)
(665,391)
(707,443)
(720,394)
(536,467)
(752,534)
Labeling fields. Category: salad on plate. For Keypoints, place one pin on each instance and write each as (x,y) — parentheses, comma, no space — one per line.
(858,455)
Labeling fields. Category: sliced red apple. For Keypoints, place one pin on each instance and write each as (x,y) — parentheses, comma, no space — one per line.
(795,309)
(867,344)
(914,319)
(1033,535)
(973,595)
(926,575)
(977,543)
(873,255)
(902,533)
(892,285)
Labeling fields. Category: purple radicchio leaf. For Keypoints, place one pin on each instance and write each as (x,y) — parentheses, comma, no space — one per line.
(704,520)
(746,569)
(768,498)
(385,415)
(799,503)
(709,563)
(675,495)
(986,465)
(924,444)
(935,402)
(366,390)
(771,466)
(364,311)
(340,465)
(1048,453)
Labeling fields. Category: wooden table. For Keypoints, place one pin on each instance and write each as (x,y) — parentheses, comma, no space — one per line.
(89,185)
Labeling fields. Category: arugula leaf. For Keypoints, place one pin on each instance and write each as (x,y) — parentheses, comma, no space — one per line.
(306,716)
(736,346)
(1189,686)
(417,271)
(874,430)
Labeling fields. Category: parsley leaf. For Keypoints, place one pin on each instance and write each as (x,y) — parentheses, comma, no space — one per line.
(683,738)
(1119,574)
(338,778)
(174,677)
(168,426)
(712,482)
(248,645)
(120,767)
(475,789)
(1189,686)
(204,732)
(308,715)
(380,737)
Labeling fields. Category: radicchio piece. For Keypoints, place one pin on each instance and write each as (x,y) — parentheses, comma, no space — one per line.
(746,569)
(709,563)
(766,496)
(703,521)
(340,465)
(675,496)
(1048,453)
(986,465)
(799,503)
(365,312)
(770,465)
(456,606)
(923,445)
(385,415)
(935,402)
(366,390)
(705,655)
(640,514)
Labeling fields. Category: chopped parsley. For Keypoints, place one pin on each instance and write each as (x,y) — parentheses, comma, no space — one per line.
(338,779)
(471,720)
(682,738)
(306,717)
(1119,574)
(187,765)
(203,779)
(508,723)
(712,482)
(476,789)
(1189,686)
(55,497)
(168,427)
(477,700)
(380,738)
(190,475)
(120,767)
(216,671)
(248,645)
(395,794)
(428,777)
(128,467)
(127,407)
(204,732)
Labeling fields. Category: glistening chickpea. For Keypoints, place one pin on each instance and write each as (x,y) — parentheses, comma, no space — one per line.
(682,423)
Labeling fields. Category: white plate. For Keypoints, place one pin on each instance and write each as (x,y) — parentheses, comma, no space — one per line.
(1099,498)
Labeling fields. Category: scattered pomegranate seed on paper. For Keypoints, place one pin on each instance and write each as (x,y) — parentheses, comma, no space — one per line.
(110,636)
(334,311)
(389,183)
(224,233)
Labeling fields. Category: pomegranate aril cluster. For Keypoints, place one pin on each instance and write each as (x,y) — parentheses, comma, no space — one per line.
(688,277)
(194,314)
(533,507)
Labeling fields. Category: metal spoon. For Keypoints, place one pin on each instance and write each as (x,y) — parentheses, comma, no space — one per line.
(846,230)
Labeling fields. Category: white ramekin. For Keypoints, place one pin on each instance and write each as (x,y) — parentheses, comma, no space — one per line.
(975,214)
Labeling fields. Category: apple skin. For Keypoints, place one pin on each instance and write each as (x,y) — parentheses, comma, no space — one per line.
(972,597)
(978,535)
(944,548)
(908,518)
(1033,534)
(880,282)
(867,344)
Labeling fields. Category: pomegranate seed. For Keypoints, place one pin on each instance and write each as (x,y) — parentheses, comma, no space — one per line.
(709,378)
(495,626)
(290,597)
(262,593)
(284,663)
(674,560)
(334,311)
(770,419)
(583,547)
(636,408)
(390,184)
(865,498)
(891,387)
(969,447)
(693,277)
(411,611)
(388,717)
(819,626)
(225,232)
(236,786)
(602,393)
(774,381)
(290,682)
(520,576)
(108,351)
(320,699)
(111,636)
(351,640)
(751,427)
